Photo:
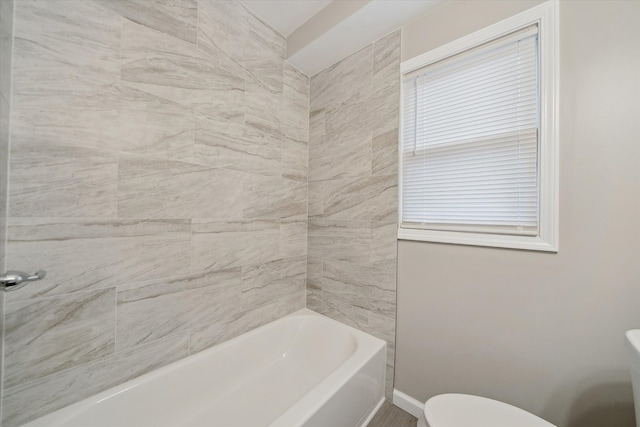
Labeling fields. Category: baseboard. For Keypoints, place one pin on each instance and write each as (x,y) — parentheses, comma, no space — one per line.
(373,413)
(408,403)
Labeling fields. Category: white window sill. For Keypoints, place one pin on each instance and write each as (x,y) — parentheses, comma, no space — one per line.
(532,243)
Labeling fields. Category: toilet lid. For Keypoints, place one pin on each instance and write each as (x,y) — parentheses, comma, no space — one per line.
(463,410)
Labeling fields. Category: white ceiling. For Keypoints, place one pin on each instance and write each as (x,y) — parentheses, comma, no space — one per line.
(371,22)
(285,15)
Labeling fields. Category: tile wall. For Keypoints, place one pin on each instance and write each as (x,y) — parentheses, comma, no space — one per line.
(158,172)
(352,234)
(6,29)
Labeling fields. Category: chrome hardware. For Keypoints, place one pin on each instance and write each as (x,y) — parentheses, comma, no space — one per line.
(13,280)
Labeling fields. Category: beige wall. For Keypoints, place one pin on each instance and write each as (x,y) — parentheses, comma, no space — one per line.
(542,331)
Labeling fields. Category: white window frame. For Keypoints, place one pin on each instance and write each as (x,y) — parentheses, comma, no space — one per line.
(546,17)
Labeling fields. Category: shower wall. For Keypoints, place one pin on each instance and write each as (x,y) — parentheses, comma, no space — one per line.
(6,29)
(353,166)
(158,172)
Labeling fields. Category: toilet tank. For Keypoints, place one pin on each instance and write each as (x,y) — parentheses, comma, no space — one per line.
(633,353)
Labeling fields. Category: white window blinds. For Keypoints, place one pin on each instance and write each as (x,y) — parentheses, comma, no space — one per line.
(470,140)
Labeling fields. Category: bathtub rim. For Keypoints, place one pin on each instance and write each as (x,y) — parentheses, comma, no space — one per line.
(318,396)
(311,401)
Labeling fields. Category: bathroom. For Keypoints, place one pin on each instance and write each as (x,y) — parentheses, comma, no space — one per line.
(189,171)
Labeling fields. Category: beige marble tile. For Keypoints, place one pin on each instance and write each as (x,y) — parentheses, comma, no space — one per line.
(384,154)
(156,188)
(215,333)
(314,300)
(6,42)
(268,36)
(295,159)
(342,80)
(63,49)
(263,106)
(31,400)
(6,46)
(339,240)
(317,129)
(178,18)
(297,83)
(366,287)
(115,117)
(247,154)
(155,57)
(384,328)
(181,100)
(344,157)
(173,69)
(52,178)
(373,198)
(263,53)
(294,115)
(264,64)
(154,310)
(6,49)
(353,249)
(386,58)
(48,335)
(293,238)
(361,316)
(385,99)
(389,384)
(314,274)
(274,197)
(222,33)
(383,252)
(218,244)
(352,232)
(316,198)
(337,308)
(223,110)
(233,37)
(259,130)
(83,254)
(263,283)
(352,116)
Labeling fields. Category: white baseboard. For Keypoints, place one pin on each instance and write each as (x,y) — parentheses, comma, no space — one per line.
(373,413)
(408,403)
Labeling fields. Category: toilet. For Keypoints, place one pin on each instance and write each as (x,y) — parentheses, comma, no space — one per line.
(464,410)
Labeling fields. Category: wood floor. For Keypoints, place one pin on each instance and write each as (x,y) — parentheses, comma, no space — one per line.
(391,416)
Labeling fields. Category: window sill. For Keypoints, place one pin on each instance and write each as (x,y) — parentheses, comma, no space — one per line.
(532,243)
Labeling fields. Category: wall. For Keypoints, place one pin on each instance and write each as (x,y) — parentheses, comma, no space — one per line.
(6,30)
(353,191)
(539,330)
(158,173)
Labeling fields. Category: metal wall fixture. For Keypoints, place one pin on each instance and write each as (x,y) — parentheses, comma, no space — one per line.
(13,280)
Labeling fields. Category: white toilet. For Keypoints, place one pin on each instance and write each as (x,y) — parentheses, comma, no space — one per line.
(464,410)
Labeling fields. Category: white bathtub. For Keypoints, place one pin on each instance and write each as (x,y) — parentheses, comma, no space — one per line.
(301,370)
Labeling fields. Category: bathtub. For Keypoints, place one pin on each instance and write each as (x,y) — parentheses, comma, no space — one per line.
(301,370)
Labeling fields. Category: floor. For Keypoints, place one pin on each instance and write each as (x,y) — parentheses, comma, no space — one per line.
(391,416)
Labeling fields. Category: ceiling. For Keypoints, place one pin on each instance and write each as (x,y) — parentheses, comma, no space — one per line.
(285,15)
(337,34)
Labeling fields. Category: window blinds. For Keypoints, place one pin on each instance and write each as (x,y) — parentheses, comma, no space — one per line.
(470,140)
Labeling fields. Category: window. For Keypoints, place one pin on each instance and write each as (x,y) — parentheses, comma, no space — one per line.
(478,147)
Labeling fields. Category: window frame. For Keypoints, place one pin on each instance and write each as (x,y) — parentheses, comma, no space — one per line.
(545,16)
